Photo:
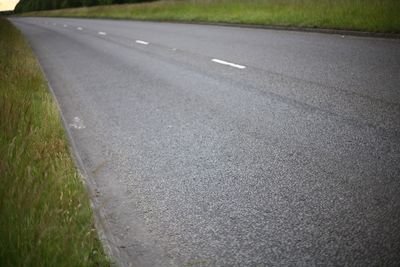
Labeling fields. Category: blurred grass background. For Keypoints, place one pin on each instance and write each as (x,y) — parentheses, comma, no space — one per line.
(45,215)
(362,15)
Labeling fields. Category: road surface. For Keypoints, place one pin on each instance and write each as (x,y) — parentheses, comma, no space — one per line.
(223,146)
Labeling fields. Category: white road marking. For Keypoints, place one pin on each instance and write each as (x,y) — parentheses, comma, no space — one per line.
(228,63)
(79,28)
(65,25)
(102,33)
(142,42)
(77,123)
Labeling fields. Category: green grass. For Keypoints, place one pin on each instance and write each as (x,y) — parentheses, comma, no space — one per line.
(45,215)
(363,15)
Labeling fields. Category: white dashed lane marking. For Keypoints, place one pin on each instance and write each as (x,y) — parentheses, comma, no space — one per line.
(219,61)
(142,42)
(215,60)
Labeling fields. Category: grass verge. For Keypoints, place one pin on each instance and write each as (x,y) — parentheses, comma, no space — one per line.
(362,15)
(45,215)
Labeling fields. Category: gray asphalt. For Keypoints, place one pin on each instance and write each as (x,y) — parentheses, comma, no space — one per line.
(293,160)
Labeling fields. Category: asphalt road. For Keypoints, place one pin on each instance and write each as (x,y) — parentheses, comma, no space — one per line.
(223,146)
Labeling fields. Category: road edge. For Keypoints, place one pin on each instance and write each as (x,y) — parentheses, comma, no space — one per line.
(300,29)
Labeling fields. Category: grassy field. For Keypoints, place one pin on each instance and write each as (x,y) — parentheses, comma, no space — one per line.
(364,15)
(45,216)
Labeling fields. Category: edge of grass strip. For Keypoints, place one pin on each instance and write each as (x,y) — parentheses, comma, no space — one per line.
(374,16)
(45,213)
